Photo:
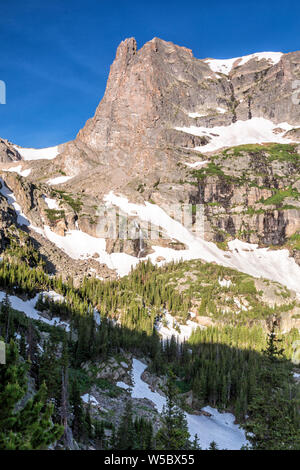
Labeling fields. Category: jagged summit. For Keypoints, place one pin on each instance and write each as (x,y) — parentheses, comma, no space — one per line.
(155,90)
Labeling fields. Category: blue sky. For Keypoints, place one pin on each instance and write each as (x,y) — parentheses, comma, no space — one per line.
(56,54)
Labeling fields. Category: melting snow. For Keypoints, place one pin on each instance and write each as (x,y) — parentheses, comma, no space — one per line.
(9,195)
(89,399)
(168,327)
(18,169)
(38,154)
(28,307)
(219,427)
(253,131)
(195,164)
(226,65)
(51,203)
(59,180)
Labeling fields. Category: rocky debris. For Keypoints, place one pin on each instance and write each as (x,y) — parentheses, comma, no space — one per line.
(58,262)
(274,294)
(7,152)
(8,220)
(293,134)
(289,320)
(155,383)
(112,407)
(111,402)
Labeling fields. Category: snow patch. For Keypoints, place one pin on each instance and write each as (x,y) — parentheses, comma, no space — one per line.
(168,327)
(123,385)
(224,282)
(51,203)
(219,427)
(207,112)
(48,153)
(195,164)
(253,131)
(18,169)
(87,398)
(28,308)
(225,65)
(59,180)
(9,195)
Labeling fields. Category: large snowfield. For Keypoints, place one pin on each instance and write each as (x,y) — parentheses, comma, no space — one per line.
(253,131)
(219,427)
(48,153)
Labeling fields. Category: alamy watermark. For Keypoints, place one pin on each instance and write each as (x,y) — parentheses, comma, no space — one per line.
(2,353)
(161,224)
(296,93)
(2,92)
(296,352)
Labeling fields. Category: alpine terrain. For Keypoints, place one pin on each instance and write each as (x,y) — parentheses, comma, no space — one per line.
(150,268)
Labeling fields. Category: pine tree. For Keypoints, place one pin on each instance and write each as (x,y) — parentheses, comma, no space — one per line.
(272,424)
(30,426)
(126,435)
(213,446)
(174,434)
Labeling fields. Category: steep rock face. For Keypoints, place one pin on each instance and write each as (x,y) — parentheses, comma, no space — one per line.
(8,219)
(155,89)
(7,152)
(250,193)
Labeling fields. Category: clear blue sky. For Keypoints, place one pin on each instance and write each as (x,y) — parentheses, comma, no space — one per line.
(56,54)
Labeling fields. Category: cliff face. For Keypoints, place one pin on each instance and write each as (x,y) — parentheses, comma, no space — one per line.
(7,152)
(153,90)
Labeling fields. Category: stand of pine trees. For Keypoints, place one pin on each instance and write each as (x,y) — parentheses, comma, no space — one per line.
(232,367)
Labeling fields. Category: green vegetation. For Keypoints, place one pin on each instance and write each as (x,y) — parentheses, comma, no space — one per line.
(75,204)
(54,214)
(222,364)
(279,195)
(30,427)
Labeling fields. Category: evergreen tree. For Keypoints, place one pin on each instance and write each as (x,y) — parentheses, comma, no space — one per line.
(126,435)
(29,426)
(273,412)
(213,446)
(174,434)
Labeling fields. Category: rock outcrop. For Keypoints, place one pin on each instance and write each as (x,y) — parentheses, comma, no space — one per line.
(7,152)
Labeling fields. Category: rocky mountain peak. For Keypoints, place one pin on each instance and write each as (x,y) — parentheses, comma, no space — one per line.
(126,50)
(161,103)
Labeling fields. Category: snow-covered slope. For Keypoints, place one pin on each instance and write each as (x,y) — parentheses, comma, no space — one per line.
(253,131)
(275,265)
(21,218)
(219,427)
(28,307)
(37,154)
(226,65)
